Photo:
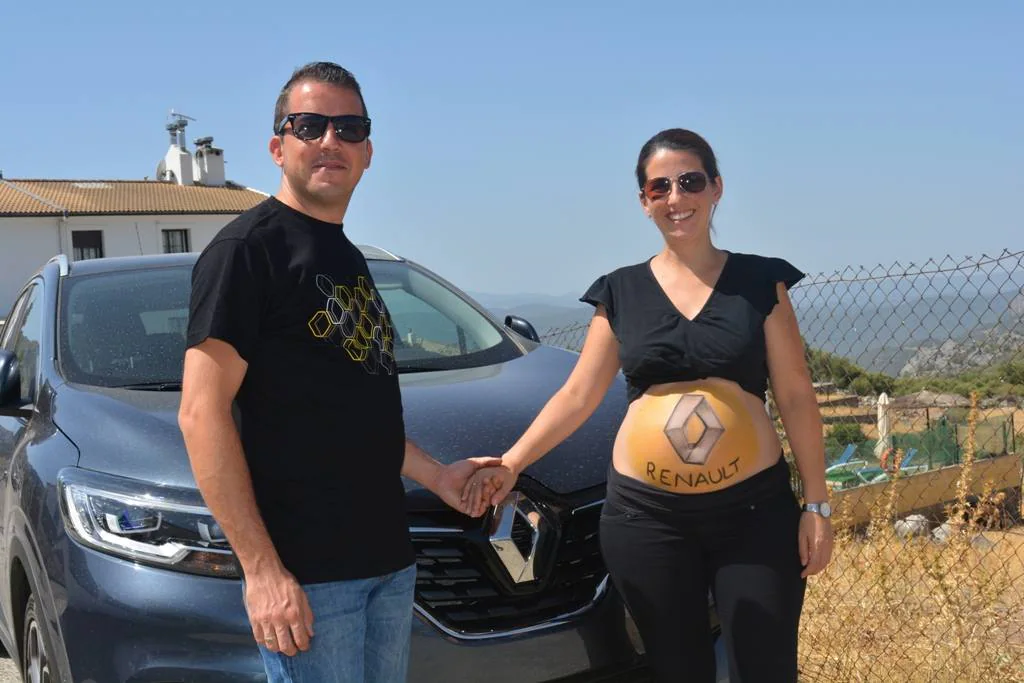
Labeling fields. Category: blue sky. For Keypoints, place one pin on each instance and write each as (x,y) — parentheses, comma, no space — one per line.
(506,134)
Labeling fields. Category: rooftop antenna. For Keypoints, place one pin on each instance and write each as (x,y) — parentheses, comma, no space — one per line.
(177,128)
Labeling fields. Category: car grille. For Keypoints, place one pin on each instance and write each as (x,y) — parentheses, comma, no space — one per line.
(455,587)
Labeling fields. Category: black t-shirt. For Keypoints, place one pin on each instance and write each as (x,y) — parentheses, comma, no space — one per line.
(319,410)
(657,344)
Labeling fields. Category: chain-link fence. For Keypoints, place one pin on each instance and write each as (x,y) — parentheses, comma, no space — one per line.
(919,372)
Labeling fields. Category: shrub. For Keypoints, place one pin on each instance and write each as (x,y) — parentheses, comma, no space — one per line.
(1013,373)
(843,433)
(881,382)
(862,386)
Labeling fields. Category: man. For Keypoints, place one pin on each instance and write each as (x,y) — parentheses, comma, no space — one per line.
(307,487)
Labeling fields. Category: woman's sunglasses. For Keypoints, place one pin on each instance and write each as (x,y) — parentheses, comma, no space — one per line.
(691,181)
(307,126)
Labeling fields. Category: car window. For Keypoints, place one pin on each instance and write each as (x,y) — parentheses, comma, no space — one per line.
(129,327)
(433,326)
(7,334)
(24,341)
(124,327)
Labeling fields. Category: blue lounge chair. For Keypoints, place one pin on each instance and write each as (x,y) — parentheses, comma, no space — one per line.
(844,458)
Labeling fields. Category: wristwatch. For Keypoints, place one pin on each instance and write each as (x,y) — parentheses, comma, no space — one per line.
(822,508)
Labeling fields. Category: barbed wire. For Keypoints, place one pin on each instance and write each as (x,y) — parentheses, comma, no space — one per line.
(911,269)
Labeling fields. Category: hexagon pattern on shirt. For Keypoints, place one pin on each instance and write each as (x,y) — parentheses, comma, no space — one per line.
(355,319)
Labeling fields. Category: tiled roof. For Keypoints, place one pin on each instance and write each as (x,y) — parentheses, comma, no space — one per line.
(120,197)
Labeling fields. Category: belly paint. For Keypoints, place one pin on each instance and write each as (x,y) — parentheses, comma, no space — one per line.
(691,436)
(675,479)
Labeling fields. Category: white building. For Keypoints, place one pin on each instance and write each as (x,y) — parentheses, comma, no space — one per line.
(179,212)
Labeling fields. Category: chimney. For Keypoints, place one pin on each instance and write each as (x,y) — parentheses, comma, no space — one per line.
(208,164)
(176,165)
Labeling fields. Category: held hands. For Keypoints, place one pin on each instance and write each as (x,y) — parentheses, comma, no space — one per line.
(488,486)
(278,609)
(815,542)
(454,479)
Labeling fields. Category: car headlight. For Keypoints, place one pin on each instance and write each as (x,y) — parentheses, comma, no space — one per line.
(139,521)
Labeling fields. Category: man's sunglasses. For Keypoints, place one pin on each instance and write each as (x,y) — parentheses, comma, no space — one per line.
(692,182)
(307,126)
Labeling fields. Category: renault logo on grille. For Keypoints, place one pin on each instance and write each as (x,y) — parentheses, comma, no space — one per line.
(518,530)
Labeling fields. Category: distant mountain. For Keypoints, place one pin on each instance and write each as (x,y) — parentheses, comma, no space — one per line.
(544,311)
(546,318)
(506,301)
(908,326)
(950,357)
(1017,305)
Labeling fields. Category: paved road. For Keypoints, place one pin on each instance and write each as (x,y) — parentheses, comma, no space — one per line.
(8,670)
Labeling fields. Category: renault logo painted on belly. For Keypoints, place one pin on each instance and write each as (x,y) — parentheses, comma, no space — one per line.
(691,436)
(693,429)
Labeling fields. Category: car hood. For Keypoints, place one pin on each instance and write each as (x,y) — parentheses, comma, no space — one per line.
(452,415)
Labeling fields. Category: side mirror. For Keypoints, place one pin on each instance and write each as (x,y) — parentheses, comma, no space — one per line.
(521,327)
(10,385)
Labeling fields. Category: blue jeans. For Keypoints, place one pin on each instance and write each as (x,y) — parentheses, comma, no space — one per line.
(361,633)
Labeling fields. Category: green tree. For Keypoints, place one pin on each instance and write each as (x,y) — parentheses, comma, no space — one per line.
(880,382)
(1013,372)
(843,433)
(862,386)
(828,367)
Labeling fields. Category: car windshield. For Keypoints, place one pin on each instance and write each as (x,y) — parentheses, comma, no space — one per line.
(127,328)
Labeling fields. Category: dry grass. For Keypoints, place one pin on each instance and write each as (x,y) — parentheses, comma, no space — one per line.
(914,609)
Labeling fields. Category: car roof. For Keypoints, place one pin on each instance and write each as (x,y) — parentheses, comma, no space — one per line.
(122,263)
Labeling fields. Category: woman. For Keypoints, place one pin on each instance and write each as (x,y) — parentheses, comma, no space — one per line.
(698,491)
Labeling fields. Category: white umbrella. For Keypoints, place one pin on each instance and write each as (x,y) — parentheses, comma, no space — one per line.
(884,437)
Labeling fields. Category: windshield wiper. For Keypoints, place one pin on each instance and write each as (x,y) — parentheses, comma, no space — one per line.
(417,368)
(151,386)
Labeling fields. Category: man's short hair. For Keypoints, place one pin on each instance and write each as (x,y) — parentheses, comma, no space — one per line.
(319,72)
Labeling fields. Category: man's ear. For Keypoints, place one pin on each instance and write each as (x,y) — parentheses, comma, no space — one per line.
(276,147)
(369,152)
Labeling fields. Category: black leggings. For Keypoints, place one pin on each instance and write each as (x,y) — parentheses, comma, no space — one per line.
(665,551)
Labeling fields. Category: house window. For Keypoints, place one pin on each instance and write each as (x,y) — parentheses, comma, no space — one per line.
(176,242)
(87,244)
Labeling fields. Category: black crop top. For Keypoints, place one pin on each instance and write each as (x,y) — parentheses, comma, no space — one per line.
(657,344)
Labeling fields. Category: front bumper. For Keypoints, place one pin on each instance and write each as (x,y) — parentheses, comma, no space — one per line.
(122,622)
(598,643)
(127,623)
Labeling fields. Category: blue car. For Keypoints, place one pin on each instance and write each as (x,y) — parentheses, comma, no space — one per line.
(115,571)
